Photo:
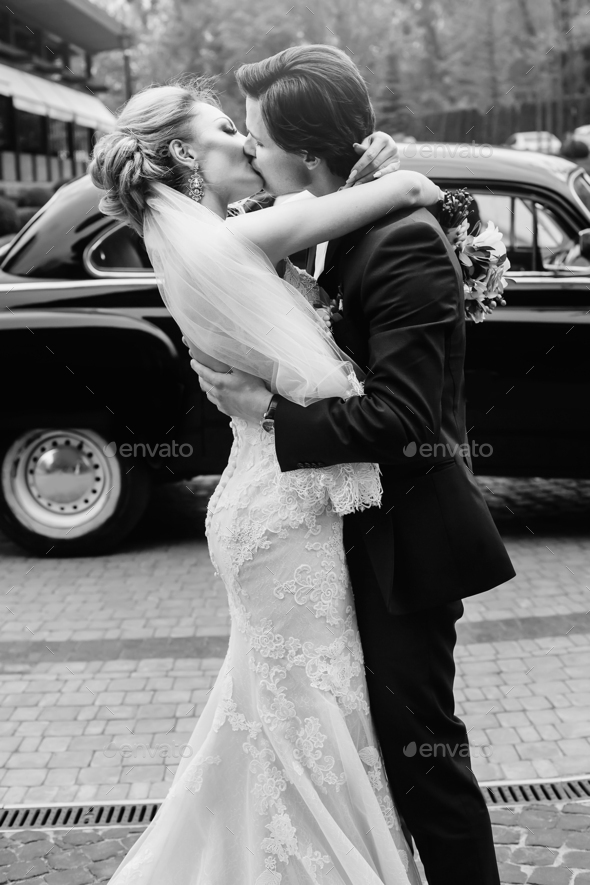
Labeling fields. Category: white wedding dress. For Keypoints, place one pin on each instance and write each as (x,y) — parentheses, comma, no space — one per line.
(284,784)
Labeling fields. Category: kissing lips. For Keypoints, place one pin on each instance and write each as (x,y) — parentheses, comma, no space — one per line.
(254,169)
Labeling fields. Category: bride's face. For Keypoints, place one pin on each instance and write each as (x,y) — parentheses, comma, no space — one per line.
(220,149)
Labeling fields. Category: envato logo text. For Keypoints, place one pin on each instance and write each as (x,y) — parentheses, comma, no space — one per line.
(446,450)
(162,450)
(432,750)
(435,150)
(143,751)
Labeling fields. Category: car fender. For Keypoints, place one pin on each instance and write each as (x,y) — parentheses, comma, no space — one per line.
(82,318)
(90,361)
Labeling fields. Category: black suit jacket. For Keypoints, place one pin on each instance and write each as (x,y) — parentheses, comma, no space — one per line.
(433,539)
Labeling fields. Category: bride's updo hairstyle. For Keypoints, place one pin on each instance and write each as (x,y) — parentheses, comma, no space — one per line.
(126,161)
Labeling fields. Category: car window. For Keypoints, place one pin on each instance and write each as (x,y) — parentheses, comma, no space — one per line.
(534,236)
(554,243)
(581,186)
(511,215)
(120,251)
(515,218)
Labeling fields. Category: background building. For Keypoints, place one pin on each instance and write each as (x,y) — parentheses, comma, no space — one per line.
(49,104)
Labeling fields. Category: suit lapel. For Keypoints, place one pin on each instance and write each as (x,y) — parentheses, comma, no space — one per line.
(331,250)
(310,262)
(328,279)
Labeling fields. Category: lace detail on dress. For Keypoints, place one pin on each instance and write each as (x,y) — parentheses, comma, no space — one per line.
(321,589)
(372,759)
(245,538)
(349,487)
(335,668)
(193,780)
(227,710)
(282,840)
(293,497)
(271,784)
(312,860)
(309,741)
(302,281)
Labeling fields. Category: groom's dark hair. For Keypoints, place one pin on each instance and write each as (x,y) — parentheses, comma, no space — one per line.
(312,99)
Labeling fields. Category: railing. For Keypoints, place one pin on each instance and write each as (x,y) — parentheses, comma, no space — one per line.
(496,124)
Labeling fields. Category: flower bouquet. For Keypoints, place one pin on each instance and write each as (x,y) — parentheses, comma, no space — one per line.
(482,256)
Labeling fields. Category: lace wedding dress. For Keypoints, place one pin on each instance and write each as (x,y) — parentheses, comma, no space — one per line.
(284,782)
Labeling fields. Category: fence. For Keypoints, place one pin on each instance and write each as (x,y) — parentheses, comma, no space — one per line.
(495,125)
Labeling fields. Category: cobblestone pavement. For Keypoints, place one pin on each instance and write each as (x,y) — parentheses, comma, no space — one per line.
(97,653)
(61,857)
(545,844)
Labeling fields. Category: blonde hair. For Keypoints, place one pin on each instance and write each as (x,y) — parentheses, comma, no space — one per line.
(136,153)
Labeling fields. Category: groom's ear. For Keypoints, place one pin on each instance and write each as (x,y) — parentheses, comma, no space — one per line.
(310,161)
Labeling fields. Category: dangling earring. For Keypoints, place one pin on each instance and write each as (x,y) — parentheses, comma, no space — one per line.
(196,184)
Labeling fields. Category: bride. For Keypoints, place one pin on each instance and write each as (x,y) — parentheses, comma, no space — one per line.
(284,782)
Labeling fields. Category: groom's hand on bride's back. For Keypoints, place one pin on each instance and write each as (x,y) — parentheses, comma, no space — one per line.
(379,155)
(235,393)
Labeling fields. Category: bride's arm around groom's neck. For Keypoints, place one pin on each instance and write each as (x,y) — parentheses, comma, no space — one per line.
(282,230)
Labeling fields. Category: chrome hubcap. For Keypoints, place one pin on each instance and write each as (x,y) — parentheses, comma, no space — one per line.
(65,475)
(61,483)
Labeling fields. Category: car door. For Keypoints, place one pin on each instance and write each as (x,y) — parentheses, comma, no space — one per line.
(527,367)
(120,254)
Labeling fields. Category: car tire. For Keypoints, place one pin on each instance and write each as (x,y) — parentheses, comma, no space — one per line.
(68,492)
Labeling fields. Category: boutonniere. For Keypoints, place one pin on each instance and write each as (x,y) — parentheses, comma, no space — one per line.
(336,307)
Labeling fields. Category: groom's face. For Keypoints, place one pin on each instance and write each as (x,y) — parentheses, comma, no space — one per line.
(282,172)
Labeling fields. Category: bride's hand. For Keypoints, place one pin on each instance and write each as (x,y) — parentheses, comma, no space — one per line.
(379,156)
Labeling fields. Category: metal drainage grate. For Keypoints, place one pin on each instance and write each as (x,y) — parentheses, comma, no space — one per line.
(67,816)
(129,814)
(543,791)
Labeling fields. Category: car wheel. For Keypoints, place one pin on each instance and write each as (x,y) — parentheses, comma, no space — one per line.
(67,492)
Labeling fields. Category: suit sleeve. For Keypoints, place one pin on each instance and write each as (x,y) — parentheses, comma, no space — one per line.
(409,292)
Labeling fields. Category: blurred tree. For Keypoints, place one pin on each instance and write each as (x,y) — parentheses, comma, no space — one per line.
(526,19)
(429,12)
(417,55)
(392,114)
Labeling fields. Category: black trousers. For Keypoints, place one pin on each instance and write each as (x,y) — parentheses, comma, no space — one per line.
(410,672)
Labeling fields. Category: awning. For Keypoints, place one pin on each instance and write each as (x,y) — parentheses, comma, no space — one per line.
(39,96)
(76,21)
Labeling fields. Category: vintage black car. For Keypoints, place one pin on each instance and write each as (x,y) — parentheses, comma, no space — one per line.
(99,401)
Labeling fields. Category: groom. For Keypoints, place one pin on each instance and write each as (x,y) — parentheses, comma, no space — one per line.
(432,542)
